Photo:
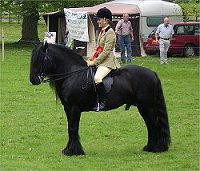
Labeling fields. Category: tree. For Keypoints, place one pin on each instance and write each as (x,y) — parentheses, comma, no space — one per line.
(190,8)
(30,21)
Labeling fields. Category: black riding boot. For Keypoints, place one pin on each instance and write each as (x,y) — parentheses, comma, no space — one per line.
(101,92)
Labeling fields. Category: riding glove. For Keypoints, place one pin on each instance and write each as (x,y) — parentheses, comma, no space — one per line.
(90,63)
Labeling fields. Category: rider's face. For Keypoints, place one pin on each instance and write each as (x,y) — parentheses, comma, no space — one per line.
(101,22)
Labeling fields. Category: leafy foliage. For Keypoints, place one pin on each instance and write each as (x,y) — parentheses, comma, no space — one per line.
(16,7)
(191,9)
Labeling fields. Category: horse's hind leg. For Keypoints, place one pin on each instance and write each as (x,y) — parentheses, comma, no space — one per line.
(158,136)
(147,115)
(73,146)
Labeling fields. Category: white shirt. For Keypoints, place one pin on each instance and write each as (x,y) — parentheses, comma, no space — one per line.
(165,32)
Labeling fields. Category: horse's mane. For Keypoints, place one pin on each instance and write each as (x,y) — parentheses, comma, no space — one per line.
(70,53)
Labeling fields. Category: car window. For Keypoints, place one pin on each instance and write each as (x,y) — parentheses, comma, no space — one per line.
(184,30)
(180,30)
(197,30)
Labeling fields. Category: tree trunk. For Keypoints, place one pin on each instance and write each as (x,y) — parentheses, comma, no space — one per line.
(30,22)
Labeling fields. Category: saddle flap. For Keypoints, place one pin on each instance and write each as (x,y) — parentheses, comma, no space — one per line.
(108,82)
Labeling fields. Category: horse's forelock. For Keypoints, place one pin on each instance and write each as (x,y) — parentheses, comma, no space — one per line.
(37,56)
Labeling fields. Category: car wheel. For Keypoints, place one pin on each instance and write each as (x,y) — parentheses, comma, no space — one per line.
(189,51)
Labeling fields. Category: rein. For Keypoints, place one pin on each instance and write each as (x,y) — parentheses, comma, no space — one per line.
(62,75)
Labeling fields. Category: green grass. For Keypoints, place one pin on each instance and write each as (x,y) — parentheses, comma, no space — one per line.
(12,32)
(34,130)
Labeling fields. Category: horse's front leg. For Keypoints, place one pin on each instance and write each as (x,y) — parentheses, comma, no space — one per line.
(73,146)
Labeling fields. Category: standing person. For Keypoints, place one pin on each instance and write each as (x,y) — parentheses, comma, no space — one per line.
(103,58)
(124,31)
(164,32)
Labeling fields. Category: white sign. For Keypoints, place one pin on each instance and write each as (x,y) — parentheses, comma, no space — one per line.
(77,24)
(50,37)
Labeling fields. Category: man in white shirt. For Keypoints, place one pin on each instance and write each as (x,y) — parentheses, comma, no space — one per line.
(164,32)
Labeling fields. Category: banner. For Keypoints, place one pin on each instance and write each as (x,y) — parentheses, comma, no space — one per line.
(77,24)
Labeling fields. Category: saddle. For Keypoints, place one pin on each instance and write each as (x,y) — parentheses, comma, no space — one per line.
(107,81)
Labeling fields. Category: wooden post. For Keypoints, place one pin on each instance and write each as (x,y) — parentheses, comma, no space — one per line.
(2,39)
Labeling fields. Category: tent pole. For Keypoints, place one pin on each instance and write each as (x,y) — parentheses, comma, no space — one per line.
(48,23)
(58,32)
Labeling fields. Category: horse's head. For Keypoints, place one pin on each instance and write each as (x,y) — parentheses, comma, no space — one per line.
(52,61)
(39,64)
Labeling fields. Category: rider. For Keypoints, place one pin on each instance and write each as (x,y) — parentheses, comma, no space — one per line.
(103,58)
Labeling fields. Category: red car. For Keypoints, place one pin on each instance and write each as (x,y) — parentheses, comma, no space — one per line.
(185,40)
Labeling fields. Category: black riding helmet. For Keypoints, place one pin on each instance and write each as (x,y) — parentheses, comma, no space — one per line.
(104,13)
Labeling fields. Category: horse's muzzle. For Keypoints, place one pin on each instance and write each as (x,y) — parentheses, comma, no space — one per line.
(36,80)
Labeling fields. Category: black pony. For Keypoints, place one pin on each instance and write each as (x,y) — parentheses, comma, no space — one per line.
(134,85)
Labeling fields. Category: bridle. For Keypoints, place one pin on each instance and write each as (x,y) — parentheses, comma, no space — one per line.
(53,77)
(60,76)
(43,68)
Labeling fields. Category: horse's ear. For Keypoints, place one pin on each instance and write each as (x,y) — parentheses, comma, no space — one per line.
(45,46)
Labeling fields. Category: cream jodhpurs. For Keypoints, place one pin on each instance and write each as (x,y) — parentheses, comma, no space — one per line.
(102,71)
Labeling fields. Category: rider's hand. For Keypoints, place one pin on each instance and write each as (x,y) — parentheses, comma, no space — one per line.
(90,63)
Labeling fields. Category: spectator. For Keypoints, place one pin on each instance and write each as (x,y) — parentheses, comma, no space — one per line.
(164,32)
(124,31)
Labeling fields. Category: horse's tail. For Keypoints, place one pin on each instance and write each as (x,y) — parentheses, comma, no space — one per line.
(162,119)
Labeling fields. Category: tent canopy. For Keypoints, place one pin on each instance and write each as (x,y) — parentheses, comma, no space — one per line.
(115,8)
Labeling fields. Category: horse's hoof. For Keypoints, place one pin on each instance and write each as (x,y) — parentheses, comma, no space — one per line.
(71,152)
(146,148)
(155,149)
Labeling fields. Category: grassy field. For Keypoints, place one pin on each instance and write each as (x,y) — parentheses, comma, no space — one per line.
(34,130)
